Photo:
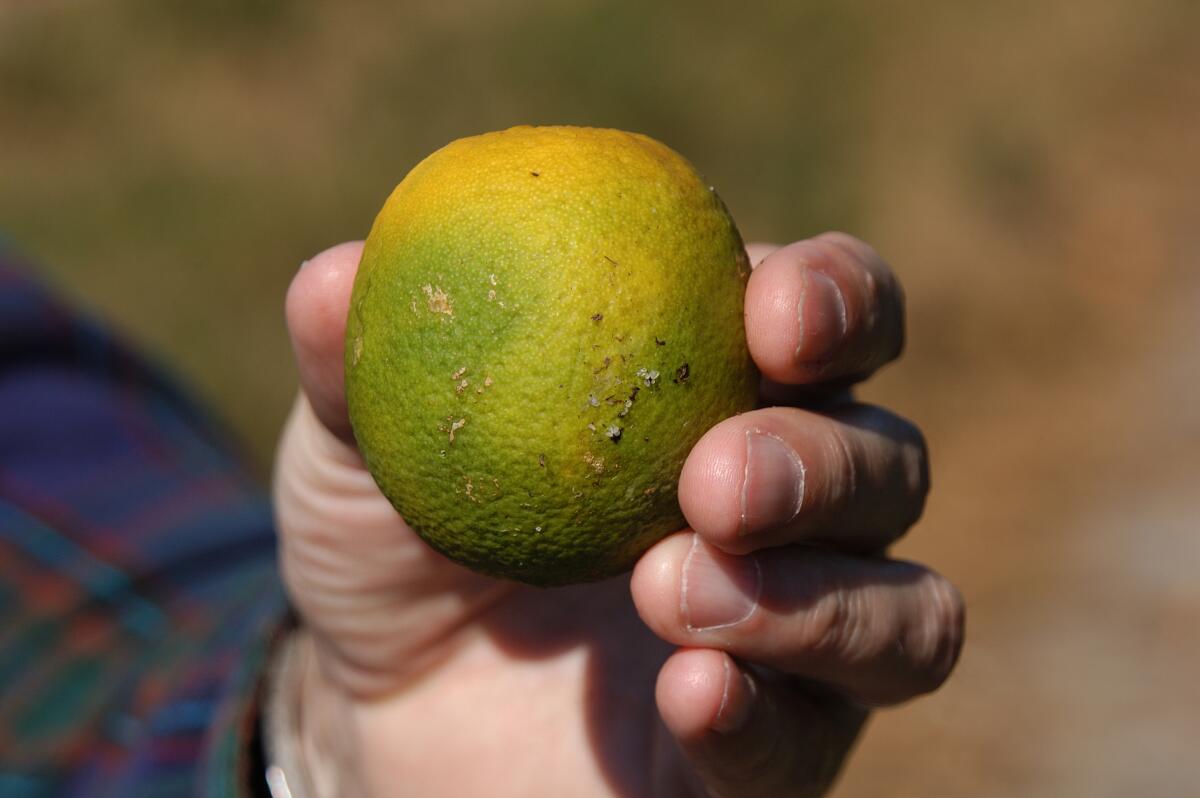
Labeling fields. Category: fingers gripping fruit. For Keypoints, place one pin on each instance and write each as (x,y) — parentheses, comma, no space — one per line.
(545,320)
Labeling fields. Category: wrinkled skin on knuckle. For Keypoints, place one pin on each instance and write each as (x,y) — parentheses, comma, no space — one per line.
(935,648)
(915,462)
(828,628)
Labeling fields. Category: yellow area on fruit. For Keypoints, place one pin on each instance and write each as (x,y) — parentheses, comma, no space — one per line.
(544,322)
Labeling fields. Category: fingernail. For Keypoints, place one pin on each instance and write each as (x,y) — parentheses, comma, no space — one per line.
(717,590)
(737,700)
(822,316)
(773,486)
(303,263)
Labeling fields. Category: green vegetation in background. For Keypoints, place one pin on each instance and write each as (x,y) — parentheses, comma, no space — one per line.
(172,163)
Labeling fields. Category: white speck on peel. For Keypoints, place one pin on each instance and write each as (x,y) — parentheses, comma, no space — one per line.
(462,386)
(491,295)
(487,382)
(597,463)
(455,426)
(358,347)
(438,300)
(492,279)
(593,401)
(458,373)
(613,432)
(648,376)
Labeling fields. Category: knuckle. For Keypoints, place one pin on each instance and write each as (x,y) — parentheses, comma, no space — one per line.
(876,459)
(821,631)
(845,626)
(914,466)
(842,468)
(838,626)
(936,641)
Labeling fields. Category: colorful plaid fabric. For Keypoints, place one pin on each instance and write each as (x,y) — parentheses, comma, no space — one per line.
(138,588)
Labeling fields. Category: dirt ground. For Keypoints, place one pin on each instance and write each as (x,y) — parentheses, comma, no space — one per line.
(1030,169)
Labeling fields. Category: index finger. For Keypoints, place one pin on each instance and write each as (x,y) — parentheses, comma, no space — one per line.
(828,309)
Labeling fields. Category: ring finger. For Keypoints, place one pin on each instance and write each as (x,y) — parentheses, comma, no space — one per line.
(880,630)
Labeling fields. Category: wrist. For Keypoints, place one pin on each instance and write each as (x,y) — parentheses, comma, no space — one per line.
(309,736)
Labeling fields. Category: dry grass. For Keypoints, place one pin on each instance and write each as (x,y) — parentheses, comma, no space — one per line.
(1030,169)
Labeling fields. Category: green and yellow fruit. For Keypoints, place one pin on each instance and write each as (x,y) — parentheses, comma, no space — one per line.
(545,320)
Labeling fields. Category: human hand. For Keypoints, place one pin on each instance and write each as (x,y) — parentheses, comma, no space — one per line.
(738,658)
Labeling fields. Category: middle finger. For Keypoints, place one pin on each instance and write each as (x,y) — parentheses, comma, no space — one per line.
(854,478)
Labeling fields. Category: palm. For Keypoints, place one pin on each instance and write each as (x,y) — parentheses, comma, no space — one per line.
(440,678)
(575,668)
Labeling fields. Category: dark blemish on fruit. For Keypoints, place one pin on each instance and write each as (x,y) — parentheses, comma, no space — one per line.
(659,342)
(610,260)
(613,433)
(536,174)
(681,374)
(628,403)
(597,316)
(542,460)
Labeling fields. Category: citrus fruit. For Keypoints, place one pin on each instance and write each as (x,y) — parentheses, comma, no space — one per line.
(544,321)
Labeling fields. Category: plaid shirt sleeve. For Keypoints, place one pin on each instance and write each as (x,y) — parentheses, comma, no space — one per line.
(139,596)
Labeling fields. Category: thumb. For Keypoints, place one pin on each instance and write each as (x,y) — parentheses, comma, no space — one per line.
(382,605)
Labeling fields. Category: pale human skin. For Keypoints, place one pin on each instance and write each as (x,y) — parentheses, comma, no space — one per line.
(739,658)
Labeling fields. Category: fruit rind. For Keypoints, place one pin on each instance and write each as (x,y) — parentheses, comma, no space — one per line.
(544,322)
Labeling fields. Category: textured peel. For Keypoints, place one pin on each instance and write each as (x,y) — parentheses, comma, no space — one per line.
(544,322)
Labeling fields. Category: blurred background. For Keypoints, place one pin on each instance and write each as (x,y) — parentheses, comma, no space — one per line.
(1031,169)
